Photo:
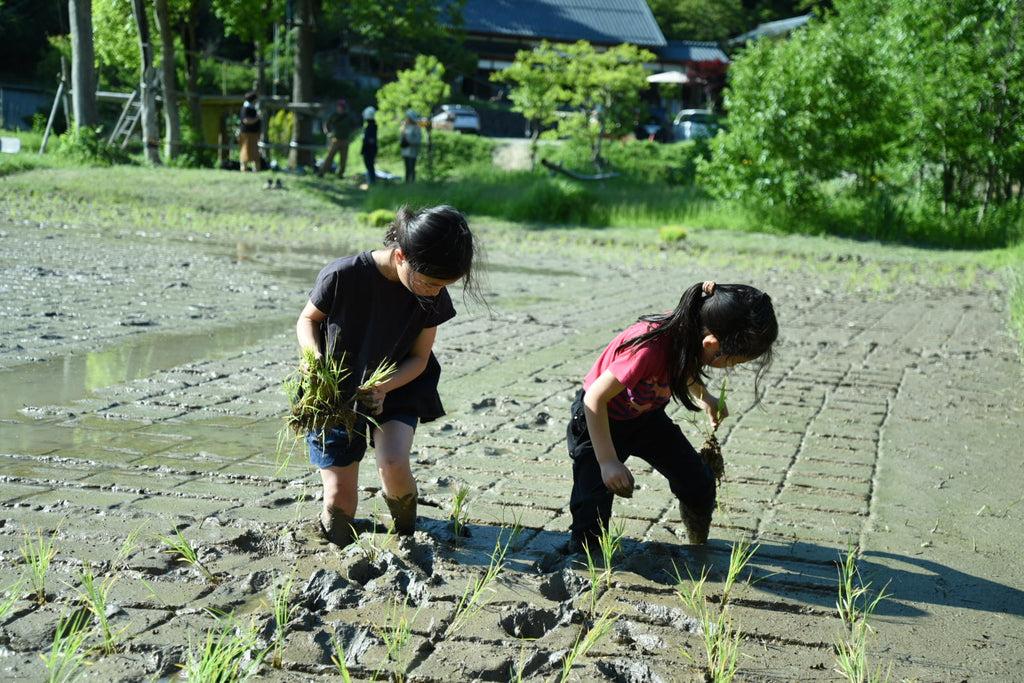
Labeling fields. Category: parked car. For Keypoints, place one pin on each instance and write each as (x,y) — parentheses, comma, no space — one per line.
(457,117)
(691,124)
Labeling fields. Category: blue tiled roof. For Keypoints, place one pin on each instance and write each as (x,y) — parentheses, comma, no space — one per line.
(773,29)
(692,51)
(596,21)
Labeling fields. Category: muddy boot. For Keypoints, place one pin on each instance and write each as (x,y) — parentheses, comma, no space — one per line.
(698,525)
(403,512)
(337,527)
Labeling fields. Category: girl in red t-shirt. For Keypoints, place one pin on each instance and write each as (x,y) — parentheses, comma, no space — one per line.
(620,411)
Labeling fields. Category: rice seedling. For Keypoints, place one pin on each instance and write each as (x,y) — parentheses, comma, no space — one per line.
(95,597)
(459,514)
(369,545)
(320,397)
(338,658)
(474,598)
(179,544)
(711,450)
(11,596)
(131,542)
(282,609)
(228,654)
(610,542)
(584,642)
(720,639)
(855,606)
(515,529)
(38,553)
(66,659)
(397,634)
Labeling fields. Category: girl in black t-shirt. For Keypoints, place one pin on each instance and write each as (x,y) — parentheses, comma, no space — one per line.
(385,305)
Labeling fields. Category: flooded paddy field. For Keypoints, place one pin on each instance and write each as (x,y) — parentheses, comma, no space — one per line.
(141,407)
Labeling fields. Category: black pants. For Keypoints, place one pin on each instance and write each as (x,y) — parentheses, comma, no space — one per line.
(410,169)
(652,437)
(369,159)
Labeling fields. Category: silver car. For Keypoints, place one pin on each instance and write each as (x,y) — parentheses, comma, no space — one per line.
(456,117)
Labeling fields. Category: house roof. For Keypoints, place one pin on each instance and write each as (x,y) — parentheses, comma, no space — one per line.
(772,29)
(692,51)
(596,21)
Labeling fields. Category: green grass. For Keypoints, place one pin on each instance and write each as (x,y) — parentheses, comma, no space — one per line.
(37,553)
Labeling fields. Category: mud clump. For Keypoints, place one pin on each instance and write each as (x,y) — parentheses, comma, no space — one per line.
(711,454)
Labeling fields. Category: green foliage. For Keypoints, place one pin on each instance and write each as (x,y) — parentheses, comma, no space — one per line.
(599,91)
(452,152)
(672,233)
(557,200)
(379,218)
(86,145)
(421,88)
(923,134)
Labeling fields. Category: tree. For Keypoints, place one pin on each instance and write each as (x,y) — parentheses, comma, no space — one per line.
(83,60)
(926,131)
(601,90)
(252,23)
(414,26)
(421,88)
(301,153)
(172,120)
(536,94)
(147,74)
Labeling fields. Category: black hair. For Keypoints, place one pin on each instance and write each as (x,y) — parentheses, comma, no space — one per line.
(437,242)
(741,317)
(251,95)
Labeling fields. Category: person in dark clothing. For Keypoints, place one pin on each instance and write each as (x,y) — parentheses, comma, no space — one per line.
(370,143)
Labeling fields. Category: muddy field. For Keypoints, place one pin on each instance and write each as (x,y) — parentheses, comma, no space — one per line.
(141,394)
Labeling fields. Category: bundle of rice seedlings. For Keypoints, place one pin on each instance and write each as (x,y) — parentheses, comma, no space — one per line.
(319,398)
(711,454)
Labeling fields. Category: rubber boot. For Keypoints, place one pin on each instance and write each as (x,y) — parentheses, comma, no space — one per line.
(403,512)
(337,527)
(698,525)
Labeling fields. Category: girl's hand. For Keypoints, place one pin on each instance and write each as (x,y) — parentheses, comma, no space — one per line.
(617,478)
(371,398)
(716,410)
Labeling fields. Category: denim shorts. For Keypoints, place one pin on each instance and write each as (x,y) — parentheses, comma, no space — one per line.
(339,448)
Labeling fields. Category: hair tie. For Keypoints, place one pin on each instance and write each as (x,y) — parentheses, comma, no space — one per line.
(708,287)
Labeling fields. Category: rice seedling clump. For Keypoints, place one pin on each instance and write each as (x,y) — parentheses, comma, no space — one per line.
(711,454)
(321,397)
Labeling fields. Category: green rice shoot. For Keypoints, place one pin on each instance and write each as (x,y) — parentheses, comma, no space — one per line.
(319,396)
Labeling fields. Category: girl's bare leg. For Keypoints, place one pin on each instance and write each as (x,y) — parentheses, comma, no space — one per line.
(341,496)
(392,443)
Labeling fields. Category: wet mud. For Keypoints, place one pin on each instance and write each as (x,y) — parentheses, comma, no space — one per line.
(142,403)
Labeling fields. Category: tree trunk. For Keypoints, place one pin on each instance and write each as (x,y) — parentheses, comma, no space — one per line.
(150,130)
(302,86)
(192,72)
(172,120)
(83,64)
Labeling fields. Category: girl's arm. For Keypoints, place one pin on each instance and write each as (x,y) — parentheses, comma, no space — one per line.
(715,409)
(307,329)
(616,476)
(411,367)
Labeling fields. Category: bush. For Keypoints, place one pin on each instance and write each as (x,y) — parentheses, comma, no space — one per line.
(379,218)
(672,233)
(87,146)
(558,200)
(641,161)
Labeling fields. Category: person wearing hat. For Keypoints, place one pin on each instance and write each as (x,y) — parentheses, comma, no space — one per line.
(409,140)
(338,128)
(370,143)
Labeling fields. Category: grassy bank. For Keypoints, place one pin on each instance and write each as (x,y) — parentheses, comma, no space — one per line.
(309,211)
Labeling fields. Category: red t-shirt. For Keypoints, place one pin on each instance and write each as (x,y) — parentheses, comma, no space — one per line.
(643,370)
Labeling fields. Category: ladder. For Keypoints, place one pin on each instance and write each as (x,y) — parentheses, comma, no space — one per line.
(129,118)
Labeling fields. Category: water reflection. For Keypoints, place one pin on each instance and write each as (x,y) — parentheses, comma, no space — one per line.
(63,380)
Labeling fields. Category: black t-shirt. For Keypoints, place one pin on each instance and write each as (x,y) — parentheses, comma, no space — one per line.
(372,319)
(249,111)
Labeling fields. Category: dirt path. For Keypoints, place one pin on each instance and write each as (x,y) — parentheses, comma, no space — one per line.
(141,390)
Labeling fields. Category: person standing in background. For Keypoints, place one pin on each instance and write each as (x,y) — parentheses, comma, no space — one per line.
(249,133)
(370,143)
(338,128)
(409,140)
